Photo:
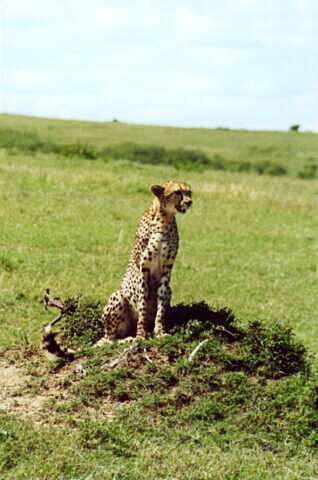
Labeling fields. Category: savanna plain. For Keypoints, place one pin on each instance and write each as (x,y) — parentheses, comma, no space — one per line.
(245,280)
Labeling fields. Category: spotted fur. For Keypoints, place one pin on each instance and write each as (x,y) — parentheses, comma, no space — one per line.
(140,304)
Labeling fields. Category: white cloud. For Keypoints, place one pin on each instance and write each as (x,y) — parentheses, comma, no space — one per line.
(188,21)
(71,105)
(307,7)
(21,11)
(53,104)
(108,16)
(193,62)
(27,79)
(11,103)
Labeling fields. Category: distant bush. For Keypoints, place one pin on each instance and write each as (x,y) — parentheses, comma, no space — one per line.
(74,150)
(269,168)
(25,141)
(182,157)
(294,128)
(136,153)
(31,142)
(241,166)
(217,162)
(179,158)
(152,154)
(262,149)
(309,170)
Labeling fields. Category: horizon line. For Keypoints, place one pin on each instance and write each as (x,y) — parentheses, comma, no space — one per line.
(115,120)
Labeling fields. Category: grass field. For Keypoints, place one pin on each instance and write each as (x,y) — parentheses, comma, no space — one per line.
(248,244)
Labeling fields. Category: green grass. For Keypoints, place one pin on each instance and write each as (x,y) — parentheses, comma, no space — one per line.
(100,450)
(248,244)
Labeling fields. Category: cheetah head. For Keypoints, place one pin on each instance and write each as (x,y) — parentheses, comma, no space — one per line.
(173,196)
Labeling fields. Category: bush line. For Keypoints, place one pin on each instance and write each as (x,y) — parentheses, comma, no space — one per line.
(179,158)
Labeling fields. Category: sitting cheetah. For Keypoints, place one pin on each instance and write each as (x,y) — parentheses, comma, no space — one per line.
(139,306)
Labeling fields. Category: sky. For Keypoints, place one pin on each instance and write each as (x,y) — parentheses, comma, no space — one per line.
(205,63)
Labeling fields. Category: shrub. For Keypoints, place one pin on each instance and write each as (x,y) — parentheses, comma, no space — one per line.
(83,327)
(269,168)
(74,150)
(16,140)
(152,154)
(217,162)
(272,350)
(131,151)
(309,170)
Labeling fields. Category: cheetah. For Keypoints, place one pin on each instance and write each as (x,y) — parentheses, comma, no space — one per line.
(138,308)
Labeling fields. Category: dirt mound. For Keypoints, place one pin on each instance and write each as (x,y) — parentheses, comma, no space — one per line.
(207,368)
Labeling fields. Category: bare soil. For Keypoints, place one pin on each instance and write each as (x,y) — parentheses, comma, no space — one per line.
(31,387)
(14,396)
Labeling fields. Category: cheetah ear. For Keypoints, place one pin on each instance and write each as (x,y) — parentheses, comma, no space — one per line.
(157,190)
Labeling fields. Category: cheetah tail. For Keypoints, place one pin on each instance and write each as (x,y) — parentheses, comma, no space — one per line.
(50,345)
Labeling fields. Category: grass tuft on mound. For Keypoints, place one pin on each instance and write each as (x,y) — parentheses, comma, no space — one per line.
(83,327)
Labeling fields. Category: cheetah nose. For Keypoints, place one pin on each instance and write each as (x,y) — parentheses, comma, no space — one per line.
(188,203)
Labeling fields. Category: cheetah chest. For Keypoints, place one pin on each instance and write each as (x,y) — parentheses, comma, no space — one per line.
(163,257)
(156,263)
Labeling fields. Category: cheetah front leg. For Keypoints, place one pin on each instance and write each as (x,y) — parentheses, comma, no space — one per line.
(142,329)
(163,303)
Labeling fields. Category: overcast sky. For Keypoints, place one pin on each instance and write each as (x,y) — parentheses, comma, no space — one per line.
(236,63)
